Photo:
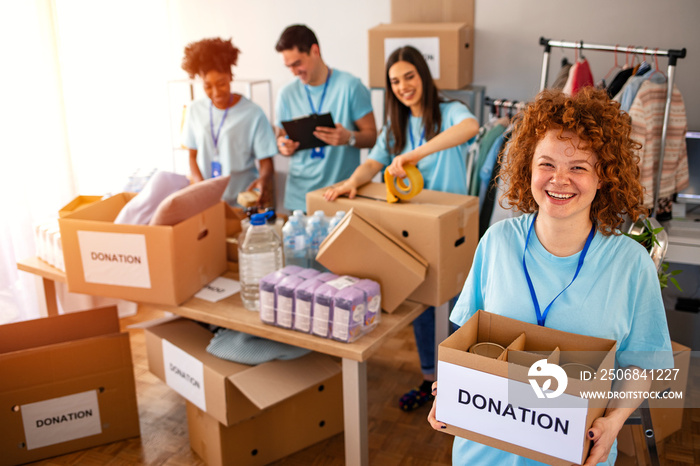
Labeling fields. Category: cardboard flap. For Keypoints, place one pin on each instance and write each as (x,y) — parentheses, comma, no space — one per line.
(352,213)
(272,382)
(58,329)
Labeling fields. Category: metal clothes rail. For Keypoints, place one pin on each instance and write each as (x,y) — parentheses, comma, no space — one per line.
(673,56)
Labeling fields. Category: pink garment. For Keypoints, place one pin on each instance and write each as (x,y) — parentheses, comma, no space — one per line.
(581,76)
(647,113)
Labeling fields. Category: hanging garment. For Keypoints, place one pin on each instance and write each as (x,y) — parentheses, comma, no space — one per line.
(562,77)
(582,76)
(618,81)
(484,147)
(647,113)
(632,87)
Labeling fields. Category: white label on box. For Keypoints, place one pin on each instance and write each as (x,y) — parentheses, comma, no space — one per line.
(340,323)
(61,419)
(267,306)
(114,258)
(428,46)
(320,320)
(184,374)
(485,403)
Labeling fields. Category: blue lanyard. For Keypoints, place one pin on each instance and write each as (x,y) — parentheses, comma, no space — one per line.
(410,135)
(318,152)
(215,137)
(542,317)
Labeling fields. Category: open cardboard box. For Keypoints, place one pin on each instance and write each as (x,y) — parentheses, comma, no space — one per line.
(67,384)
(494,401)
(442,228)
(154,264)
(227,391)
(302,420)
(359,248)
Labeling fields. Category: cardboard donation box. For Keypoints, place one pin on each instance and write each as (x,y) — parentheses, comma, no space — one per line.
(76,204)
(67,384)
(448,49)
(666,415)
(231,402)
(360,248)
(523,398)
(155,264)
(442,228)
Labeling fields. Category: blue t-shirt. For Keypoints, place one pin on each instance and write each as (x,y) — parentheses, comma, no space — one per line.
(444,171)
(615,296)
(347,100)
(245,135)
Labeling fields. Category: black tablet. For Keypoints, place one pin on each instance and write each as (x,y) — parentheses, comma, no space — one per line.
(302,129)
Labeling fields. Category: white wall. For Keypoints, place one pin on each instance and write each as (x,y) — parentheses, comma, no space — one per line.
(508,57)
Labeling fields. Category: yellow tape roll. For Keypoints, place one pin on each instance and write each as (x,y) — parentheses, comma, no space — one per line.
(396,188)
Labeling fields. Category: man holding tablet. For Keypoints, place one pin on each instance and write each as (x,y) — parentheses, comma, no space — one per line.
(320,90)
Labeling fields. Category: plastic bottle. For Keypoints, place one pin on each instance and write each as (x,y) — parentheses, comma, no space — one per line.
(259,254)
(300,215)
(335,220)
(316,232)
(294,236)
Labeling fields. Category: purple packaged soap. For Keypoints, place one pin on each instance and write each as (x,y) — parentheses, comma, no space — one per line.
(349,307)
(326,276)
(267,295)
(303,304)
(309,273)
(322,310)
(285,300)
(373,297)
(291,269)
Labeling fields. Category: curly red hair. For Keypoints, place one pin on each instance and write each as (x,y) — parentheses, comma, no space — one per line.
(209,54)
(602,128)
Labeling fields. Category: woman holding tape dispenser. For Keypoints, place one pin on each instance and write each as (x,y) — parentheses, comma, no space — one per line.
(420,130)
(571,168)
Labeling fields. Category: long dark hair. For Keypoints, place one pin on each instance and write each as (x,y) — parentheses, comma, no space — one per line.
(397,113)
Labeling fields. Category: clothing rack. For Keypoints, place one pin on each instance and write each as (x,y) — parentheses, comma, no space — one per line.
(498,104)
(673,56)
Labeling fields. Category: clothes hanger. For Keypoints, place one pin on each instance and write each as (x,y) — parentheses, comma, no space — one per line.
(656,67)
(615,66)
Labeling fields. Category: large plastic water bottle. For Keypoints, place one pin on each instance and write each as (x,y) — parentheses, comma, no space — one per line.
(259,254)
(316,232)
(294,236)
(335,220)
(300,215)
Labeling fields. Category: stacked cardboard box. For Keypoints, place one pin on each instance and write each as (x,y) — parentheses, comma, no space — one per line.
(240,414)
(67,384)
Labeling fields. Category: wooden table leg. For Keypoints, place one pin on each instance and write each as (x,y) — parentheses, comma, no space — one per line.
(50,296)
(355,412)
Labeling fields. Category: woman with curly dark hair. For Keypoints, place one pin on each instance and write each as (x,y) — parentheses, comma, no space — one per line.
(571,168)
(226,131)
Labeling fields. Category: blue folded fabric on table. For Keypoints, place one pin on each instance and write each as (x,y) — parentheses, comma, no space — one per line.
(248,349)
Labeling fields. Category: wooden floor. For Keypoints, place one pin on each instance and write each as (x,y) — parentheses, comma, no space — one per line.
(395,437)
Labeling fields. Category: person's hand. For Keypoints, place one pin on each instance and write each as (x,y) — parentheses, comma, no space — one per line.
(434,423)
(265,188)
(338,136)
(603,433)
(345,187)
(286,146)
(396,168)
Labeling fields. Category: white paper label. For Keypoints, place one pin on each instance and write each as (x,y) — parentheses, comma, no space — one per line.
(218,289)
(184,374)
(284,311)
(320,321)
(342,282)
(114,258)
(302,315)
(61,419)
(428,46)
(267,306)
(487,404)
(340,323)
